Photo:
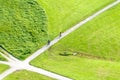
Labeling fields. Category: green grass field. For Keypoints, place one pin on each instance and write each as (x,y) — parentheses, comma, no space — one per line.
(26,75)
(2,58)
(99,37)
(97,46)
(79,68)
(23,27)
(3,68)
(63,14)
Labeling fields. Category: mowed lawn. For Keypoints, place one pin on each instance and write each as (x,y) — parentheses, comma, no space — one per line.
(63,14)
(79,68)
(3,68)
(97,46)
(26,75)
(99,37)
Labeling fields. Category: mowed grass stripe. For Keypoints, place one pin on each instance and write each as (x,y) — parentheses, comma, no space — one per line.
(63,14)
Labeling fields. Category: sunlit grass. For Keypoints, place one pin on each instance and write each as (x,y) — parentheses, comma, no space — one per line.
(97,46)
(3,68)
(63,14)
(26,75)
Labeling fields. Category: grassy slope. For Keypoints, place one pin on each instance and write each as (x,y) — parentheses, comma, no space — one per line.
(23,27)
(26,75)
(99,38)
(3,68)
(62,14)
(79,68)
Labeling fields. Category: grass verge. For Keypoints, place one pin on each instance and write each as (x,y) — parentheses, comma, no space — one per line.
(26,75)
(78,68)
(2,58)
(3,68)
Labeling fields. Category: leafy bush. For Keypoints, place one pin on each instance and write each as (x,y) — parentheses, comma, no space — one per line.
(23,26)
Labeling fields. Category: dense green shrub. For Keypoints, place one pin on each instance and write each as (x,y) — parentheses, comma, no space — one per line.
(23,26)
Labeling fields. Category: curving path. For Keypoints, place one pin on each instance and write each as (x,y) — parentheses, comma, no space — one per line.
(16,64)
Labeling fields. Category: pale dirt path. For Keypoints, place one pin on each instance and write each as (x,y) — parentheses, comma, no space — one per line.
(4,62)
(37,53)
(23,66)
(46,73)
(15,64)
(6,73)
(7,55)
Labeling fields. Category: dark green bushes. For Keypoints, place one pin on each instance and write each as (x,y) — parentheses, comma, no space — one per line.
(23,27)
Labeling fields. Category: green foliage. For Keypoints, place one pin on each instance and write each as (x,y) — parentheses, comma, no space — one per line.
(26,75)
(23,27)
